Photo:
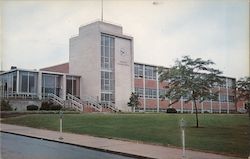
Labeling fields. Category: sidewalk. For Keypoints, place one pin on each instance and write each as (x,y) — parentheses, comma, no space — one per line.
(125,147)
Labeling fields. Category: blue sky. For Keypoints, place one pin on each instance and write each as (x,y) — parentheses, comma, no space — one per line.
(36,34)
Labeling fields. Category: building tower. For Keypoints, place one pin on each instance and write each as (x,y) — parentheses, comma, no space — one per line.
(103,56)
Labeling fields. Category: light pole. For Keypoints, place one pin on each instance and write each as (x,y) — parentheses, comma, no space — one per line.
(182,126)
(61,122)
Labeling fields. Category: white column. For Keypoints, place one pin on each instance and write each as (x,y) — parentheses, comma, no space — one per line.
(211,106)
(39,85)
(202,107)
(181,104)
(211,103)
(219,101)
(64,87)
(157,91)
(227,96)
(144,99)
(17,81)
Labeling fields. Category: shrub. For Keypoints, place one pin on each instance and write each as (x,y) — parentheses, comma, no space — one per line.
(45,105)
(50,106)
(171,110)
(5,105)
(32,107)
(55,107)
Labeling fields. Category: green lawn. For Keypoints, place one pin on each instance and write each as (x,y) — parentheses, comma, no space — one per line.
(228,134)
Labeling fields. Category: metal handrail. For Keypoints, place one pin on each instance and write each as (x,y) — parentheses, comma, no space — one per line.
(75,101)
(93,102)
(56,99)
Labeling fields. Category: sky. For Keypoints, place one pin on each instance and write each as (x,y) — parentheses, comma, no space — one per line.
(35,34)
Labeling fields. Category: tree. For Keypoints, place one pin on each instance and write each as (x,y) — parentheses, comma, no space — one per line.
(134,101)
(192,79)
(5,105)
(243,92)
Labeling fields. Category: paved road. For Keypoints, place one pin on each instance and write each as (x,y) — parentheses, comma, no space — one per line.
(20,147)
(139,149)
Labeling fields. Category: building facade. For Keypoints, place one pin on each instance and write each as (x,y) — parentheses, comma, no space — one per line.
(151,90)
(101,68)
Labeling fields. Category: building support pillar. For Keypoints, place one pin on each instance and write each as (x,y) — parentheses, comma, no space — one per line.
(202,107)
(39,86)
(157,91)
(64,79)
(17,81)
(227,96)
(144,92)
(211,103)
(181,104)
(219,101)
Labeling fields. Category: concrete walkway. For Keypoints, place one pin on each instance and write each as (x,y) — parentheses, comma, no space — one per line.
(112,145)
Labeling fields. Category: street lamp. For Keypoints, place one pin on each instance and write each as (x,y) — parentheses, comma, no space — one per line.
(61,122)
(182,126)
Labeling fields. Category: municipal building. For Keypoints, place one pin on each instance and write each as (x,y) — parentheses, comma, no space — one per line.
(100,76)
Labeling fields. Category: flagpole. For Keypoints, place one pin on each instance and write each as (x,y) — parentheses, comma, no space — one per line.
(102,12)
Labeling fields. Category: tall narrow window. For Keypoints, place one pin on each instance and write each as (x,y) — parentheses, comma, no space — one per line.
(24,82)
(107,68)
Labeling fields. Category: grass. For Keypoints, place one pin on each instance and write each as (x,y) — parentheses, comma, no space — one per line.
(227,134)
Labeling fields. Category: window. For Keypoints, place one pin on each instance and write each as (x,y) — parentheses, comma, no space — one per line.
(139,92)
(51,84)
(162,92)
(223,98)
(138,71)
(150,72)
(107,52)
(231,98)
(72,85)
(230,83)
(28,82)
(223,83)
(14,81)
(150,93)
(32,82)
(107,67)
(107,97)
(24,81)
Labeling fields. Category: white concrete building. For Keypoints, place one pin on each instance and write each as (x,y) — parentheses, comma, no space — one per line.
(103,56)
(101,74)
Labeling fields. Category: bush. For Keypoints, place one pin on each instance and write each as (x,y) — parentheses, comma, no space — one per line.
(45,105)
(171,110)
(50,106)
(32,107)
(5,105)
(55,107)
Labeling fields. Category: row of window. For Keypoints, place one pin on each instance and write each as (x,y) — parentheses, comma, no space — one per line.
(230,83)
(152,93)
(28,83)
(107,59)
(107,67)
(107,41)
(150,73)
(107,82)
(107,97)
